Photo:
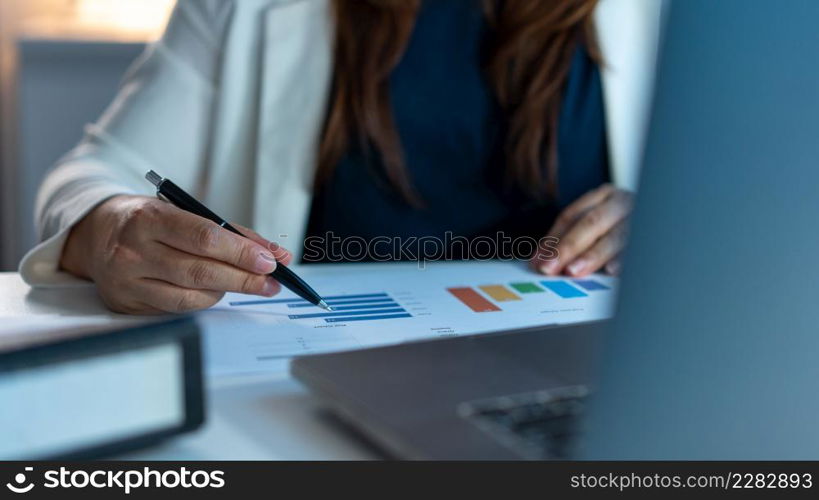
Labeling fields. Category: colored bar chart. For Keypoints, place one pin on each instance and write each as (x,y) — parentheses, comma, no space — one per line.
(479,298)
(526,288)
(473,299)
(564,289)
(499,293)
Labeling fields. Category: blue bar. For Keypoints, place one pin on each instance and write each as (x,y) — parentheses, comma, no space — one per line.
(386,305)
(346,313)
(358,301)
(306,304)
(266,301)
(591,285)
(564,289)
(361,296)
(343,302)
(368,318)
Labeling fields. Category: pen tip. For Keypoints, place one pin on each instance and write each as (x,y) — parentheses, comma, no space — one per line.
(324,306)
(153,178)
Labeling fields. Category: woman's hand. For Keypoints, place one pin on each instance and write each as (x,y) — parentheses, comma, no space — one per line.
(591,233)
(149,257)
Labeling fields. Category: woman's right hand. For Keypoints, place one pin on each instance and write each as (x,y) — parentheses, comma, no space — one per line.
(149,257)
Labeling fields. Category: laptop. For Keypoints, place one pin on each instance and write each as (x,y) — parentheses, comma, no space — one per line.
(713,352)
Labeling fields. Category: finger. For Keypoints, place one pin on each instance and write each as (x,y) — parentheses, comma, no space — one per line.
(614,266)
(282,254)
(250,233)
(169,298)
(152,297)
(545,259)
(200,273)
(198,236)
(587,230)
(576,209)
(545,253)
(147,310)
(600,254)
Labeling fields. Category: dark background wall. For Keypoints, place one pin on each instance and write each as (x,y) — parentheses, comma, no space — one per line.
(62,86)
(57,88)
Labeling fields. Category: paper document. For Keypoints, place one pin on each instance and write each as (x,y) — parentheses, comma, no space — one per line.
(378,304)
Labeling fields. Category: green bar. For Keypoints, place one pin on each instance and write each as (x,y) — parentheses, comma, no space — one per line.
(527,287)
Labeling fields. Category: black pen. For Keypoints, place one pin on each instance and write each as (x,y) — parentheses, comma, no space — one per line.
(176,195)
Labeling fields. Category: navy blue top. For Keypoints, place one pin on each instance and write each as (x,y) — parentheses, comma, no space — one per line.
(451,130)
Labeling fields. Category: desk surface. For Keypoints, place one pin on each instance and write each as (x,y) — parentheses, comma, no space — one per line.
(248,418)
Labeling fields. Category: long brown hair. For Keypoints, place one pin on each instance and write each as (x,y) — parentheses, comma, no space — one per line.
(527,65)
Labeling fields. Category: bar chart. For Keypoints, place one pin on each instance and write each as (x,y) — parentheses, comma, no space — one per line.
(346,308)
(472,298)
(376,305)
(382,306)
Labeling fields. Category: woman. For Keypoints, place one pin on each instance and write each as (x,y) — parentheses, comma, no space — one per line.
(353,117)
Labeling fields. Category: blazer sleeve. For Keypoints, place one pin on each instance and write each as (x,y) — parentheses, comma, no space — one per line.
(160,120)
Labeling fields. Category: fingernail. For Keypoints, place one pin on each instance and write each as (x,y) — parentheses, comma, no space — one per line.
(577,267)
(271,288)
(549,267)
(266,262)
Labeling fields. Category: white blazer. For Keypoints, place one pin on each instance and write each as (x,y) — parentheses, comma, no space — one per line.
(230,104)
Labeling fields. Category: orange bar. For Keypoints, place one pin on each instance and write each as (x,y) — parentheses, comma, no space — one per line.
(473,299)
(499,293)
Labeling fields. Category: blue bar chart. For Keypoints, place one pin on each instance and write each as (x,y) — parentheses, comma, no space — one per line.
(358,307)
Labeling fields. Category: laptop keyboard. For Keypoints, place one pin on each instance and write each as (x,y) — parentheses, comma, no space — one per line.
(536,425)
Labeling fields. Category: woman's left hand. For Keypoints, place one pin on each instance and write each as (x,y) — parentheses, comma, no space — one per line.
(590,233)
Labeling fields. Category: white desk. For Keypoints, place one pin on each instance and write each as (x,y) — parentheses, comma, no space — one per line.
(248,418)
